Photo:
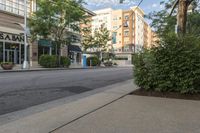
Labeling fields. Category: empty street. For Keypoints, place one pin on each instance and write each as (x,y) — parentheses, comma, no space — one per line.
(20,90)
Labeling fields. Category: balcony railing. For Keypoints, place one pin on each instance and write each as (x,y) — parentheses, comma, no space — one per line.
(14,7)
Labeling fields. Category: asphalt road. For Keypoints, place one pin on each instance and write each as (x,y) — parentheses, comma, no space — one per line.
(25,89)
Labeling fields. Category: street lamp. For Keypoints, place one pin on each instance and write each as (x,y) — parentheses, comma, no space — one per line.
(25,63)
(26,33)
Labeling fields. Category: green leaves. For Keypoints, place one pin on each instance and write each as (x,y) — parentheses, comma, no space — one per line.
(164,23)
(54,18)
(172,66)
(96,41)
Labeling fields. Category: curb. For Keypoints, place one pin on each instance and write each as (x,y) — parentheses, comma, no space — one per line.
(54,69)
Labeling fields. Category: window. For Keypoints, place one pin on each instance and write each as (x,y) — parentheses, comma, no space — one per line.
(126,32)
(15,6)
(114,38)
(115,18)
(115,27)
(126,17)
(95,20)
(126,42)
(1,51)
(126,48)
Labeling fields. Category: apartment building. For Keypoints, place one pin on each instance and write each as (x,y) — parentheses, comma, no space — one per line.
(128,29)
(117,30)
(150,37)
(102,18)
(125,26)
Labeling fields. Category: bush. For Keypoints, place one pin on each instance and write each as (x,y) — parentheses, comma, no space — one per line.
(48,61)
(121,58)
(115,64)
(94,60)
(51,61)
(65,61)
(173,66)
(108,63)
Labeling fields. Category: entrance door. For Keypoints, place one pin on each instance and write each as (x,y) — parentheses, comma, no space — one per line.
(11,56)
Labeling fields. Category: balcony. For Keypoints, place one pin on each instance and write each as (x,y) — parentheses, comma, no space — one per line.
(16,8)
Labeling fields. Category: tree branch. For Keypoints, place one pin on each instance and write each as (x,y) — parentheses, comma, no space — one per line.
(173,7)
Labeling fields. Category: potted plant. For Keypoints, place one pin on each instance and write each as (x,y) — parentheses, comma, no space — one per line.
(7,65)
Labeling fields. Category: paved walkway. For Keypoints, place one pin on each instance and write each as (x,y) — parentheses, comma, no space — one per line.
(137,114)
(51,119)
(113,111)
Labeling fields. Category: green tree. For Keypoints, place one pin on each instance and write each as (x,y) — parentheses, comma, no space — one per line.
(54,19)
(98,41)
(87,38)
(164,23)
(183,6)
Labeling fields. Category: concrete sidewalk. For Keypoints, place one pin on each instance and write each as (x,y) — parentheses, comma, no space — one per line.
(137,114)
(113,111)
(54,118)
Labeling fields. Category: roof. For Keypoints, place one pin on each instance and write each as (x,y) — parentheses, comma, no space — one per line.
(138,9)
(89,12)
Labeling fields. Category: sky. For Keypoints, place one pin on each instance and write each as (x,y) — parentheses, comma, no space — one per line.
(147,5)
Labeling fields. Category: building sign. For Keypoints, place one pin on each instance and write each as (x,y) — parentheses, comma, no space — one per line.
(11,37)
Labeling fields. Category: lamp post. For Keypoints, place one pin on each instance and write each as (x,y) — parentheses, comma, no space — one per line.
(25,63)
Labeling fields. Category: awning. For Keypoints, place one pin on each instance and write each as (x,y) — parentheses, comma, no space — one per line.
(45,43)
(74,48)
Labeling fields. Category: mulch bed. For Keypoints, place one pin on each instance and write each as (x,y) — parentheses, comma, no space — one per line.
(143,92)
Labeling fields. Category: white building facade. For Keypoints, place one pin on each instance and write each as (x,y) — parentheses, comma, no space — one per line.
(138,28)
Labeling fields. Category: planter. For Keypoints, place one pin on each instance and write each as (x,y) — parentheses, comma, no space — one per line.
(7,66)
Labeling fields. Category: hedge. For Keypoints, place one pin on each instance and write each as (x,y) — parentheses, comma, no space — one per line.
(48,61)
(93,60)
(65,61)
(51,61)
(174,66)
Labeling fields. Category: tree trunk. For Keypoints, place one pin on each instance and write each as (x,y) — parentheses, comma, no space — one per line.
(182,17)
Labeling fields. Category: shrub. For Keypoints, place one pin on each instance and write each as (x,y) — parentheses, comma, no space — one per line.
(93,60)
(115,64)
(65,61)
(121,58)
(173,66)
(7,63)
(108,63)
(48,61)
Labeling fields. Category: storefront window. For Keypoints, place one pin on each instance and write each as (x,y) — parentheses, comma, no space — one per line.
(42,50)
(12,53)
(1,51)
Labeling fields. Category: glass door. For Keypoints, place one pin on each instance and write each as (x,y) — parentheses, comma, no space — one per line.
(1,52)
(12,53)
(12,56)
